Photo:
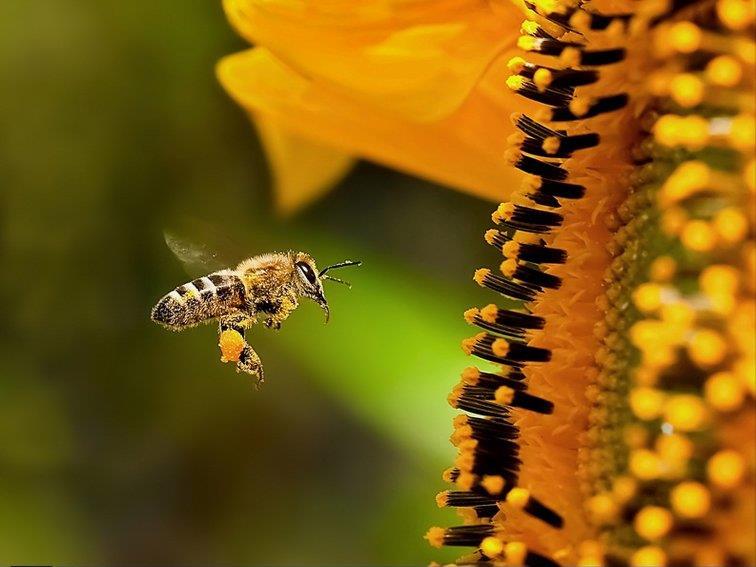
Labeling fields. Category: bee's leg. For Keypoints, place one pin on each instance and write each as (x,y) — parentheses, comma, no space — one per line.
(249,362)
(234,347)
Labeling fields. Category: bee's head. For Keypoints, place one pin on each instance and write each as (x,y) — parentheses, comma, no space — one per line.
(309,281)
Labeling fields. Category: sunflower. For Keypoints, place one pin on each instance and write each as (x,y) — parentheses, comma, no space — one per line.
(613,422)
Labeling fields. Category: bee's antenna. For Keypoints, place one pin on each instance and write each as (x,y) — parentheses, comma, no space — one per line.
(331,278)
(343,264)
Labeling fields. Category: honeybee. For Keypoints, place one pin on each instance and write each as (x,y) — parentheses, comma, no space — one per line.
(263,288)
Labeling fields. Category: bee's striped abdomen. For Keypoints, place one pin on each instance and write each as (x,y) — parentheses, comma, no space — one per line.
(200,300)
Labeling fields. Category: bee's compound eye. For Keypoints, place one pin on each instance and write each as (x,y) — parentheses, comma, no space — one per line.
(306,270)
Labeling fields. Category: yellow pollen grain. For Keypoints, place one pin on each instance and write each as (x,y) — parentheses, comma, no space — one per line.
(515,82)
(526,42)
(685,412)
(506,210)
(435,537)
(231,344)
(511,249)
(648,297)
(687,90)
(508,267)
(724,71)
(673,220)
(580,106)
(653,522)
(719,278)
(490,236)
(647,403)
(649,556)
(500,347)
(699,236)
(492,546)
(518,497)
(685,37)
(624,489)
(504,395)
(731,225)
(645,464)
(489,313)
(480,275)
(690,499)
(743,132)
(707,348)
(516,65)
(542,78)
(724,391)
(442,499)
(602,509)
(674,448)
(726,469)
(465,481)
(570,57)
(551,145)
(515,552)
(735,14)
(493,484)
(470,315)
(663,269)
(470,375)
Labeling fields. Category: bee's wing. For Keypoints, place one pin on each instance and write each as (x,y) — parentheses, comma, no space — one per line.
(205,251)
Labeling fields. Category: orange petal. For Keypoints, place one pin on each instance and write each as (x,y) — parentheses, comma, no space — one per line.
(463,150)
(419,59)
(303,170)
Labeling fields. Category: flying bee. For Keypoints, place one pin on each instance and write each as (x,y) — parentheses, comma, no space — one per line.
(263,288)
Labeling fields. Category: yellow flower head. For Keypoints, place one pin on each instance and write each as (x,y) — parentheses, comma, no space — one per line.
(616,425)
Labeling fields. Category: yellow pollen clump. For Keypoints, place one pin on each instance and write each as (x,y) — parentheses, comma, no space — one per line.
(551,145)
(647,403)
(489,313)
(526,42)
(508,267)
(663,269)
(624,489)
(724,391)
(699,236)
(470,314)
(673,220)
(435,537)
(707,348)
(743,132)
(493,484)
(511,249)
(687,90)
(724,71)
(677,318)
(515,552)
(602,509)
(731,225)
(649,556)
(735,14)
(542,78)
(690,499)
(470,375)
(648,297)
(645,464)
(652,522)
(685,37)
(518,497)
(719,278)
(500,347)
(674,448)
(480,275)
(231,344)
(725,469)
(505,210)
(515,82)
(685,412)
(580,106)
(516,64)
(492,546)
(504,395)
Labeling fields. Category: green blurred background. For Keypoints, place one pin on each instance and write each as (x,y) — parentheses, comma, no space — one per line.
(123,443)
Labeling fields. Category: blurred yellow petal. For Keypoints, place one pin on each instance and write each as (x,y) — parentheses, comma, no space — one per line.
(302,170)
(463,150)
(417,58)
